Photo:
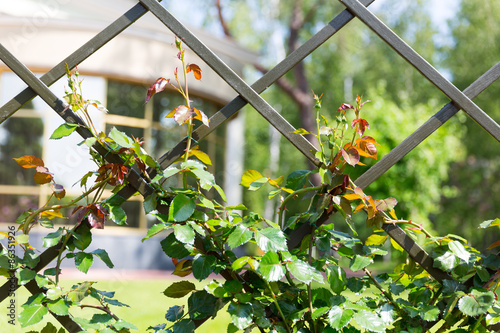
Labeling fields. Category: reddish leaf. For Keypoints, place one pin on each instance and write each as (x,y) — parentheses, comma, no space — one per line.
(196,71)
(201,116)
(180,54)
(97,216)
(29,161)
(351,156)
(345,106)
(358,101)
(361,124)
(156,87)
(182,114)
(497,243)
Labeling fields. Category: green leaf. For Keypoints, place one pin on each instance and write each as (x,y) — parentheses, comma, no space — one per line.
(63,130)
(174,313)
(41,280)
(429,312)
(60,307)
(121,138)
(249,177)
(240,262)
(30,258)
(53,238)
(121,324)
(83,261)
(339,318)
(302,271)
(257,184)
(241,314)
(271,268)
(156,229)
(477,302)
(117,215)
(445,260)
(207,180)
(459,250)
(169,172)
(184,326)
(82,237)
(173,248)
(115,302)
(221,192)
(32,315)
(370,321)
(25,275)
(271,239)
(359,262)
(54,293)
(239,236)
(179,289)
(150,203)
(103,255)
(203,266)
(80,292)
(297,179)
(102,318)
(337,278)
(387,313)
(201,305)
(490,223)
(181,208)
(184,233)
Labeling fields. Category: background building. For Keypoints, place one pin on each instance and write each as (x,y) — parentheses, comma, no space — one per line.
(41,33)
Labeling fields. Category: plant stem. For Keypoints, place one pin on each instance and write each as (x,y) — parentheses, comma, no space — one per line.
(278,306)
(59,259)
(309,289)
(290,196)
(40,210)
(384,292)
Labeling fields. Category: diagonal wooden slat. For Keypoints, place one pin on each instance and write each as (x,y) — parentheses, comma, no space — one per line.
(426,69)
(74,59)
(226,73)
(424,131)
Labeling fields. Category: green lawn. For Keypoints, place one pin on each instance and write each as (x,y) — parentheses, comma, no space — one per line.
(147,304)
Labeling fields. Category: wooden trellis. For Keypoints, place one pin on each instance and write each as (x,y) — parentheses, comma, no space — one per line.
(251,95)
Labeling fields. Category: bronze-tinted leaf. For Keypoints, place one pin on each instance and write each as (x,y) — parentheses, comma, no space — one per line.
(386,204)
(195,69)
(201,116)
(43,178)
(156,87)
(351,156)
(29,161)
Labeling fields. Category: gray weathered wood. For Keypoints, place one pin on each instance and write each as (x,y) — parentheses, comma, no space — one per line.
(424,67)
(74,59)
(424,131)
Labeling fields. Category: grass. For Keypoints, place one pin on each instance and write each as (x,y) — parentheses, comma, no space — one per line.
(147,304)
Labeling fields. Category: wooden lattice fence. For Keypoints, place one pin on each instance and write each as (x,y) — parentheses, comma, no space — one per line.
(251,95)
